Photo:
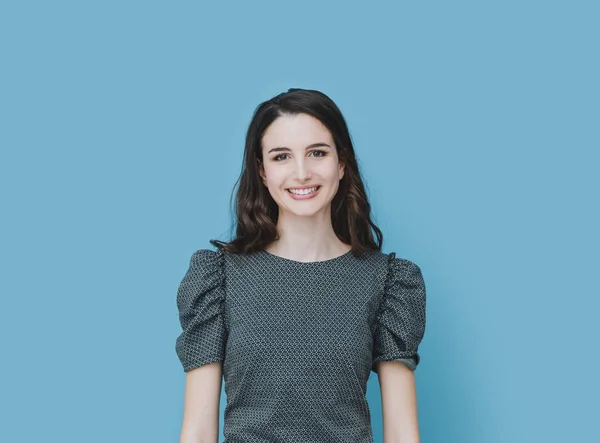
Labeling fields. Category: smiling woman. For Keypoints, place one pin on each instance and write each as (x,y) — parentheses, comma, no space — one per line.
(295,168)
(299,308)
(295,140)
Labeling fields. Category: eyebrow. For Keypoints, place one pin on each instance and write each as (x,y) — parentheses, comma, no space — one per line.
(284,148)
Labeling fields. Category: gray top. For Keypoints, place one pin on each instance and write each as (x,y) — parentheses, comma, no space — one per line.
(298,340)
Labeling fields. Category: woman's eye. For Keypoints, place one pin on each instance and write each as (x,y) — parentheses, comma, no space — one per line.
(277,157)
(318,151)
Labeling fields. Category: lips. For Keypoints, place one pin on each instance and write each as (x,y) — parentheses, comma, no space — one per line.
(315,188)
(304,196)
(303,187)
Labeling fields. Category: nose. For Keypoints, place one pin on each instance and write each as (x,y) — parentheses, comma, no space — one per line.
(302,171)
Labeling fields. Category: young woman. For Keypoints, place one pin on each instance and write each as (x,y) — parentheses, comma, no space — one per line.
(299,308)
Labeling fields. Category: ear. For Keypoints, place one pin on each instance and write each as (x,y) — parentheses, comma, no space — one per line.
(261,171)
(341,171)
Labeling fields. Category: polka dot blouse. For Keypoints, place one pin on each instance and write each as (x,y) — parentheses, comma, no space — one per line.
(298,340)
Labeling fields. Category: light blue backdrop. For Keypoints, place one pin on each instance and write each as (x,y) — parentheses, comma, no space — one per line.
(476,125)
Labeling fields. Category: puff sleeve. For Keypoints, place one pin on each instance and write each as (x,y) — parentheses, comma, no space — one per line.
(400,320)
(200,302)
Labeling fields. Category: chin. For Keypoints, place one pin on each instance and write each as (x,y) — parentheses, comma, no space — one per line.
(307,211)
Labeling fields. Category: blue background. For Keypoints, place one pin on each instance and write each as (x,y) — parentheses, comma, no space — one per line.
(476,125)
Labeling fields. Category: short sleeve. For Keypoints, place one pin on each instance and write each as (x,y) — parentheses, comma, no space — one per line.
(400,320)
(200,302)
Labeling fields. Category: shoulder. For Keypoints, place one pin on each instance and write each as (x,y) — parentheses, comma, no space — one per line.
(205,276)
(206,266)
(403,274)
(206,255)
(401,267)
(389,263)
(207,259)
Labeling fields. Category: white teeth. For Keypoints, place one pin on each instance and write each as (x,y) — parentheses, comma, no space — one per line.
(303,191)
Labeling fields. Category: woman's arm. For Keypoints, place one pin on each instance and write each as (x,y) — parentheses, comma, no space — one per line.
(201,404)
(399,403)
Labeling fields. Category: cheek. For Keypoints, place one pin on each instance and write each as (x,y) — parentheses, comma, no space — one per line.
(275,179)
(330,173)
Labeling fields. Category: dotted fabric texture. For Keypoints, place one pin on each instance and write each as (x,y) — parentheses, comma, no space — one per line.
(298,340)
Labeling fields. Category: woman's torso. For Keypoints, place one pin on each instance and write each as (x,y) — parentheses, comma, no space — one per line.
(299,347)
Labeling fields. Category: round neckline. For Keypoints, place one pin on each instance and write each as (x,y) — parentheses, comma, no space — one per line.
(289,260)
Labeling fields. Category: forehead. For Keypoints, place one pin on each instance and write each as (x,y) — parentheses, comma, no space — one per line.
(296,130)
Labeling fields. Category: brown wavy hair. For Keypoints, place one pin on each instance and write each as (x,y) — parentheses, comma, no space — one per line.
(256,212)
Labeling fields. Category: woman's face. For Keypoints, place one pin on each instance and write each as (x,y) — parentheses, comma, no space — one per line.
(298,155)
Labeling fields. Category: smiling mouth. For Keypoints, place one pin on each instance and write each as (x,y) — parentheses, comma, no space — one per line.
(306,191)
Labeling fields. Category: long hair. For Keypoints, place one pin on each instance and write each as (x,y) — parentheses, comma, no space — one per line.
(256,212)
